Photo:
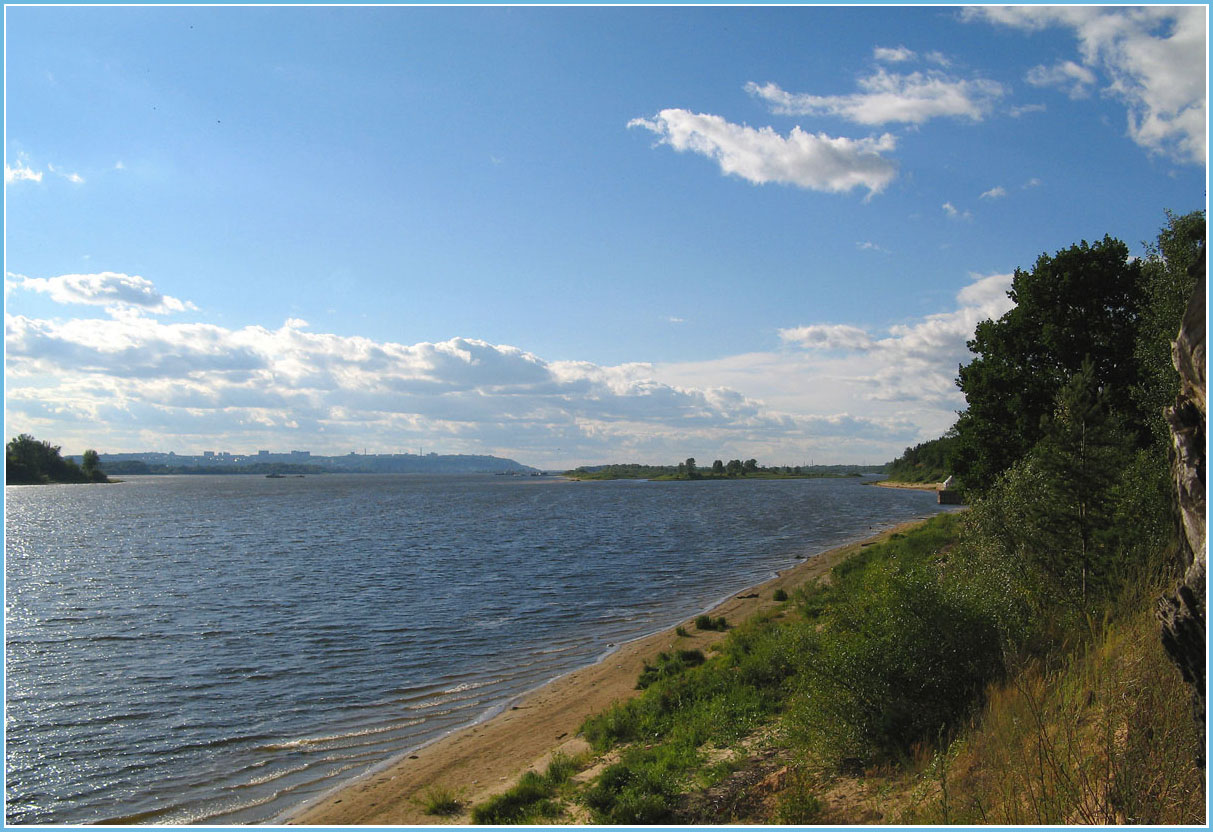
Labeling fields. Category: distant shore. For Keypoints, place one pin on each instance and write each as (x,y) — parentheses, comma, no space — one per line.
(488,757)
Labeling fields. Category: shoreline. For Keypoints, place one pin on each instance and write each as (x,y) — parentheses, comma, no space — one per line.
(488,756)
(914,486)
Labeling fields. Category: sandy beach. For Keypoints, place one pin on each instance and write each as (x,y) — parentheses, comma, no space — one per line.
(916,486)
(481,760)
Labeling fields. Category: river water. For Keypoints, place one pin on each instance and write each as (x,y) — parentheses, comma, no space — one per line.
(221,649)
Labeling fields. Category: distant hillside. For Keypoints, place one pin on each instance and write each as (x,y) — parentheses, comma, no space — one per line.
(301,462)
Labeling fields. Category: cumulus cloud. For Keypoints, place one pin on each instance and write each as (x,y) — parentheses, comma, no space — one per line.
(997,192)
(182,378)
(1153,58)
(21,172)
(1074,79)
(893,55)
(812,161)
(954,213)
(913,361)
(112,290)
(887,97)
(827,337)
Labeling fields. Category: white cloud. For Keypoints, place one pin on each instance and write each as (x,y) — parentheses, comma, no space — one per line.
(22,172)
(868,245)
(954,213)
(1023,110)
(1076,80)
(827,337)
(109,289)
(1032,183)
(74,178)
(813,161)
(997,192)
(893,55)
(1154,60)
(887,97)
(196,378)
(915,361)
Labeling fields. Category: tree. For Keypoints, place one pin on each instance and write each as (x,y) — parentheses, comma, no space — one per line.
(29,460)
(1081,456)
(1082,304)
(750,466)
(733,469)
(718,468)
(1170,271)
(90,466)
(692,471)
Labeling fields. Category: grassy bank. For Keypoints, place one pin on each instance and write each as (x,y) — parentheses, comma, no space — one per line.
(906,686)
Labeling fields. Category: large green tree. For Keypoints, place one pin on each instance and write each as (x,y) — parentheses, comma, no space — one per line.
(1081,304)
(1170,271)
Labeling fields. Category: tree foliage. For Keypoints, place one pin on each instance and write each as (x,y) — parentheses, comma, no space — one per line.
(30,461)
(925,462)
(1081,304)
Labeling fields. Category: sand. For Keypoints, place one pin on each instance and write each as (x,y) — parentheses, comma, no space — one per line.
(917,486)
(481,760)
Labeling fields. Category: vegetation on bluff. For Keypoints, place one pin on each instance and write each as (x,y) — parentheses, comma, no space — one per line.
(925,462)
(997,666)
(29,461)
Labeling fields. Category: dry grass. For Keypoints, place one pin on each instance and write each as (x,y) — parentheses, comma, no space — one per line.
(1108,739)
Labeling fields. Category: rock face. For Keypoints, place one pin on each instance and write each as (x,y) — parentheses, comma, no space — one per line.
(1182,612)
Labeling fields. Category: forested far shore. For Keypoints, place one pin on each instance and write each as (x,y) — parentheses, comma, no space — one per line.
(733,469)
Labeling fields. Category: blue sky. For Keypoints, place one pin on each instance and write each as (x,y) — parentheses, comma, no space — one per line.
(564,235)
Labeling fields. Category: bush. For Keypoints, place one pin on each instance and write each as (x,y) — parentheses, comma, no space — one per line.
(669,665)
(780,595)
(706,622)
(900,661)
(441,801)
(531,799)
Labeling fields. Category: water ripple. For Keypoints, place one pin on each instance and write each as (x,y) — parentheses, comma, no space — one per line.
(213,651)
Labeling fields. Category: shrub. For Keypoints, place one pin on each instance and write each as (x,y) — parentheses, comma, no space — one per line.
(706,622)
(681,631)
(900,661)
(531,799)
(441,801)
(780,595)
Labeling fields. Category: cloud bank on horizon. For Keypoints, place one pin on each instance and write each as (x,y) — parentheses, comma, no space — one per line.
(97,355)
(148,378)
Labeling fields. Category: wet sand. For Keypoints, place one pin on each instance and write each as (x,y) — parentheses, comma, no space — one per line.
(481,760)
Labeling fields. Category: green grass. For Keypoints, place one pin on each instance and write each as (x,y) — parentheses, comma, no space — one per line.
(706,622)
(532,799)
(440,801)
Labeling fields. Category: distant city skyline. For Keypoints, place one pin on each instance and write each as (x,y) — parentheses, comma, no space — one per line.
(563,236)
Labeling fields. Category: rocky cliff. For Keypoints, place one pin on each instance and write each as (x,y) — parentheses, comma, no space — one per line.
(1182,612)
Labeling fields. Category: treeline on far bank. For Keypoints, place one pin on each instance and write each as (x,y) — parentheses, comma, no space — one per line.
(719,469)
(30,461)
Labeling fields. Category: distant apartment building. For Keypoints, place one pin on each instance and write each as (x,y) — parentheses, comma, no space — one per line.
(301,453)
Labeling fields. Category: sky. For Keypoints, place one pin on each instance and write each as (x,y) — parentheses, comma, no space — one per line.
(561,235)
